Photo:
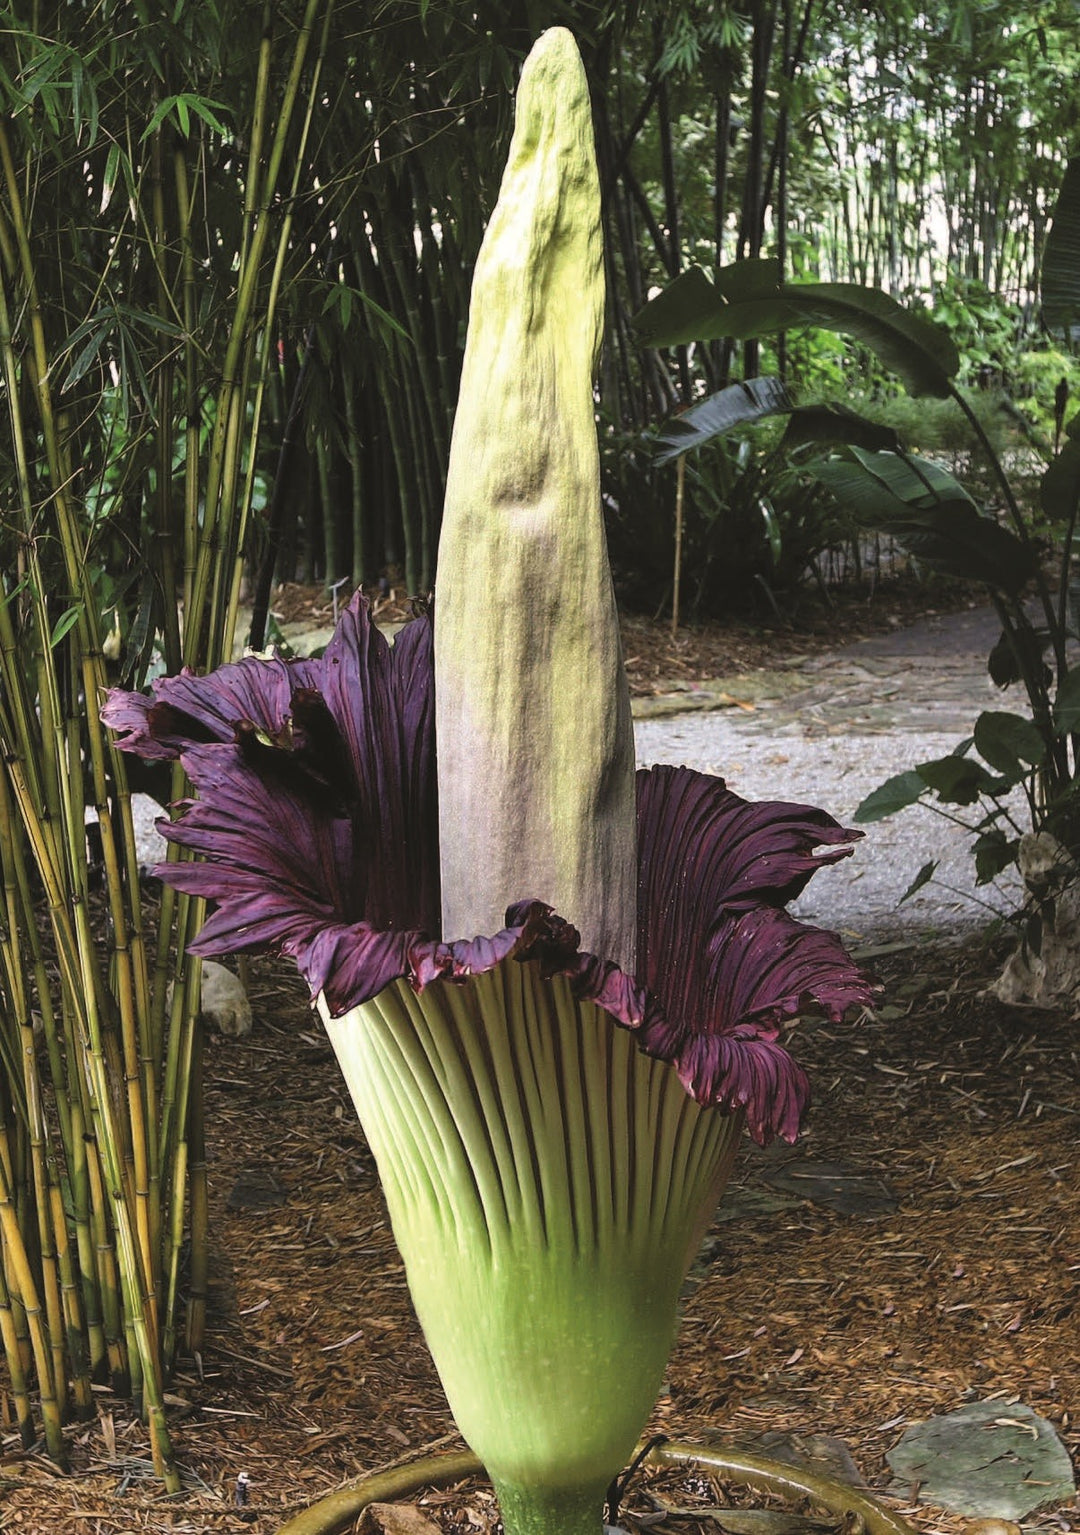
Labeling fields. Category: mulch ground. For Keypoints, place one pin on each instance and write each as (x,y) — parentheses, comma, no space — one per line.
(799,1320)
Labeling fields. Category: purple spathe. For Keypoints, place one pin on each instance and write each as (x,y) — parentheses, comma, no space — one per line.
(317,822)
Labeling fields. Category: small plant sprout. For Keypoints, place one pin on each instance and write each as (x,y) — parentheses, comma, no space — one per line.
(555,986)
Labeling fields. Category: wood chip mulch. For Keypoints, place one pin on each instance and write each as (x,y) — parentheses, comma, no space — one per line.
(803,1320)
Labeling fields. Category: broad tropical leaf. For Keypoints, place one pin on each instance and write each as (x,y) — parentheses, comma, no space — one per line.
(896,793)
(1067,702)
(994,852)
(1009,743)
(924,876)
(826,426)
(959,780)
(1059,490)
(1061,260)
(710,418)
(745,304)
(930,513)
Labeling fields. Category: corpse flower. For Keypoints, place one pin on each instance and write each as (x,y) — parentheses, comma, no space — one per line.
(555,987)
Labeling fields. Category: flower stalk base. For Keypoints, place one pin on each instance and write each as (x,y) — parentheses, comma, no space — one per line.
(543,1511)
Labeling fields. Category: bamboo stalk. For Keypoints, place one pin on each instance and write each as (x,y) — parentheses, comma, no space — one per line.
(22,1274)
(16,1371)
(219,500)
(200,1207)
(676,576)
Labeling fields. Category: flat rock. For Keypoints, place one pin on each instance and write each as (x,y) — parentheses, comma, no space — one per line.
(838,1186)
(823,1454)
(743,691)
(987,1460)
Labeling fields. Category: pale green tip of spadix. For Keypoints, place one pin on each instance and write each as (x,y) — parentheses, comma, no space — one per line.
(535,740)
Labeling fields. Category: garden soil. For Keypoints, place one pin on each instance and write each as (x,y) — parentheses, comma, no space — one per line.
(919,1249)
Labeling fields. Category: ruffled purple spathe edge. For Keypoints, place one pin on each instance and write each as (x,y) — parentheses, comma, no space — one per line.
(744,1067)
(317,818)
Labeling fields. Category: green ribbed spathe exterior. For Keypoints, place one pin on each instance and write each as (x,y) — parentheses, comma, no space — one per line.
(548,1185)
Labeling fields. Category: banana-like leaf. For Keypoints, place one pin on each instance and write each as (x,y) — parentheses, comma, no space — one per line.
(710,418)
(1061,260)
(929,513)
(745,303)
(1067,702)
(1059,489)
(824,426)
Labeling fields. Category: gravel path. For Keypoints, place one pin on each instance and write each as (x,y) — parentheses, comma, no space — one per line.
(838,726)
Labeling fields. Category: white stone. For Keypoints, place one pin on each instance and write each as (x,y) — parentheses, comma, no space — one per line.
(223,1002)
(1046,974)
(150,845)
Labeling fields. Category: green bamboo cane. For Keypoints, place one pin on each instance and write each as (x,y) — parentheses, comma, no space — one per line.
(74,1327)
(75,945)
(20,918)
(116,1349)
(131,989)
(239,538)
(69,1114)
(429,496)
(331,542)
(200,1206)
(355,456)
(91,1265)
(228,424)
(404,469)
(174,1242)
(48,1269)
(165,538)
(78,967)
(445,325)
(22,1275)
(20,1393)
(189,303)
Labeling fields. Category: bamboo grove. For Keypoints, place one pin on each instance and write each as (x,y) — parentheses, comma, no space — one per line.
(236,242)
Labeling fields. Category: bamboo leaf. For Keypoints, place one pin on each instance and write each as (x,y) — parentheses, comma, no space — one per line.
(88,355)
(108,182)
(205,109)
(64,624)
(711,418)
(182,105)
(160,113)
(340,297)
